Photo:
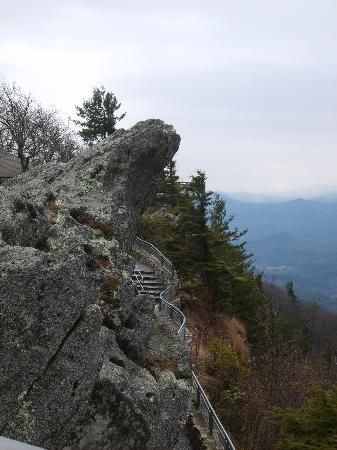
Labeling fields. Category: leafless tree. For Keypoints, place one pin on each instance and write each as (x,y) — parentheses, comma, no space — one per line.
(36,135)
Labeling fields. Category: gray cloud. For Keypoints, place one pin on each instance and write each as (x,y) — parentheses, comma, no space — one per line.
(250,85)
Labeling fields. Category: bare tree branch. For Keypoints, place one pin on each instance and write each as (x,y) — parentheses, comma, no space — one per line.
(36,135)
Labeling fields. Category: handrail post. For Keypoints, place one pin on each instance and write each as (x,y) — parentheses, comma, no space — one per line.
(198,396)
(210,421)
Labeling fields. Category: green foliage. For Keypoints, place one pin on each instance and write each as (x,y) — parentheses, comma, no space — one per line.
(98,115)
(226,362)
(231,372)
(192,227)
(209,254)
(158,230)
(170,189)
(313,426)
(237,287)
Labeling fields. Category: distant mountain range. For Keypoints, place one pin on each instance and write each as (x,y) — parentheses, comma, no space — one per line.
(293,240)
(324,193)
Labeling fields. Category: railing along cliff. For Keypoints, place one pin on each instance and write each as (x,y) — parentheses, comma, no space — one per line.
(170,292)
(201,401)
(153,251)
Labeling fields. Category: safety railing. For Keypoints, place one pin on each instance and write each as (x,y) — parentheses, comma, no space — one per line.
(150,249)
(202,403)
(214,425)
(139,281)
(169,293)
(172,311)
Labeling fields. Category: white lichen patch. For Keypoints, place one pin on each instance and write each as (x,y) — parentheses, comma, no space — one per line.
(126,275)
(92,178)
(25,422)
(105,244)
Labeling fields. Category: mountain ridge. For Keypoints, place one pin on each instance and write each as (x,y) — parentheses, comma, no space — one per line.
(320,193)
(300,235)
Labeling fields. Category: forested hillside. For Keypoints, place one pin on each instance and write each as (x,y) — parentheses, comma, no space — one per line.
(295,240)
(268,361)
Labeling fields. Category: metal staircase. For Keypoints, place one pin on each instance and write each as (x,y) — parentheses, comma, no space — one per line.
(148,281)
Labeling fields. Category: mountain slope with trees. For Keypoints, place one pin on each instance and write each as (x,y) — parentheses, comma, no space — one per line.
(260,353)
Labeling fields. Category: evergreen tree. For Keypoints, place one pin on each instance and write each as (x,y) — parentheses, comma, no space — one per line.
(183,249)
(237,288)
(209,254)
(202,200)
(170,189)
(98,115)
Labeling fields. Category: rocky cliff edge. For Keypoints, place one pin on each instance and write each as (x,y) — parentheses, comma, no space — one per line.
(81,354)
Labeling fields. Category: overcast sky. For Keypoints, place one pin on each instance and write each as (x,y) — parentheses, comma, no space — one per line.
(250,85)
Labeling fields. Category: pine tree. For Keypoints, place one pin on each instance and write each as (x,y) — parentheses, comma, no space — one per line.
(209,254)
(202,200)
(170,189)
(237,287)
(98,117)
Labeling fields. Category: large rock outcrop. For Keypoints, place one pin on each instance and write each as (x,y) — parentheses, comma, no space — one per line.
(75,338)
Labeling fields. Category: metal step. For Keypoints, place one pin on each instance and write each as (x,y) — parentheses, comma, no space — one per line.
(147,281)
(154,285)
(150,287)
(150,277)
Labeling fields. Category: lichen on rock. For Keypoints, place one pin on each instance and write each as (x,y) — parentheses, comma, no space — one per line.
(75,336)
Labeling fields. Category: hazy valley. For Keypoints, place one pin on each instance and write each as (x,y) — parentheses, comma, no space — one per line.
(293,240)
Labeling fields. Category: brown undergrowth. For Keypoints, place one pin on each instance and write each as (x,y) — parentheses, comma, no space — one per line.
(54,210)
(108,290)
(205,325)
(153,363)
(104,261)
(106,230)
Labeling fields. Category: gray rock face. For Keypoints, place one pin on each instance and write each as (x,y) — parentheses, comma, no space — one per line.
(75,338)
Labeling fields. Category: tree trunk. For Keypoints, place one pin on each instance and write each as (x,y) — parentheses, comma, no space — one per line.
(24,160)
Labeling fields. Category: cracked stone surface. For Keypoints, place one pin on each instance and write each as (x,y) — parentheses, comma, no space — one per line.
(81,354)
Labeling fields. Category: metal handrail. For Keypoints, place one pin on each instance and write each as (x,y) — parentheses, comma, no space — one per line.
(154,251)
(215,427)
(174,313)
(139,278)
